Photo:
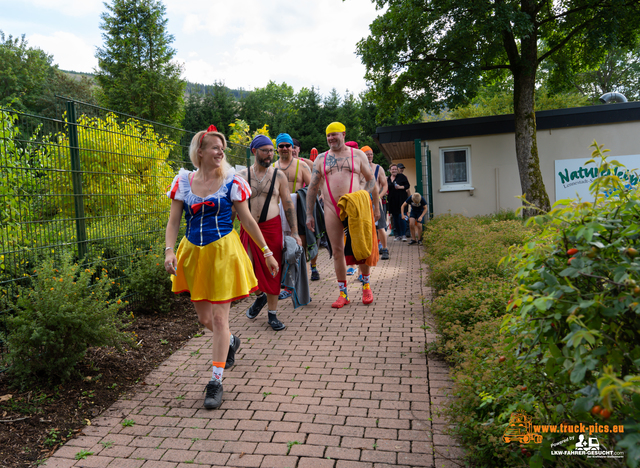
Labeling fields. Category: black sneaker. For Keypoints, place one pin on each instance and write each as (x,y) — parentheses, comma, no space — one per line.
(412,242)
(276,324)
(231,356)
(257,306)
(385,254)
(213,397)
(315,275)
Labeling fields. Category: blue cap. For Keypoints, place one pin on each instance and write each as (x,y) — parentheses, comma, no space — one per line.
(260,141)
(284,138)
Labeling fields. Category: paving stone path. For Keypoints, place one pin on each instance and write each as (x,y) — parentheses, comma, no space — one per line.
(347,388)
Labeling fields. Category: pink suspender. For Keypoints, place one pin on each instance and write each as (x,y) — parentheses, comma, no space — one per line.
(326,180)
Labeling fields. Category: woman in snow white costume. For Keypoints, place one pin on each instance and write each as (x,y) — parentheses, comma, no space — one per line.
(210,261)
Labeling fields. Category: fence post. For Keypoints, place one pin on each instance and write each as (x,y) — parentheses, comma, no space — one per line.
(248,158)
(76,179)
(430,182)
(417,146)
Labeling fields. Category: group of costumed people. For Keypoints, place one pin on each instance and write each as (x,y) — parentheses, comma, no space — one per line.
(277,206)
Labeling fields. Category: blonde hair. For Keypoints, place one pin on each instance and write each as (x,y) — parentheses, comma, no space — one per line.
(416,197)
(199,141)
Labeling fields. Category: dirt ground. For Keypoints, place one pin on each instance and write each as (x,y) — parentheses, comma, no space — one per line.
(35,423)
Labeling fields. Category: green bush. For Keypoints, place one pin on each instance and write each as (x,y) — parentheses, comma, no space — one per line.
(459,247)
(64,311)
(148,281)
(576,310)
(460,307)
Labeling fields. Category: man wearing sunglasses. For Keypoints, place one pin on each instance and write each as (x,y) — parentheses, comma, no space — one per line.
(298,176)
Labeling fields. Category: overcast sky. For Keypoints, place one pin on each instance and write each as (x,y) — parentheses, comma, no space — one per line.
(243,43)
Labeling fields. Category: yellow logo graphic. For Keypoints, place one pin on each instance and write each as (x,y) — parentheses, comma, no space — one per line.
(521,429)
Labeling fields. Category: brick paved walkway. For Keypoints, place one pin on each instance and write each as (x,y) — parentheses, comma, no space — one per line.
(347,388)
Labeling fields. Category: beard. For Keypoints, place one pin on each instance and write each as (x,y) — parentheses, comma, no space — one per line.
(265,162)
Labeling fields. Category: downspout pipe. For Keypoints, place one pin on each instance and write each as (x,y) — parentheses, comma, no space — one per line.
(608,98)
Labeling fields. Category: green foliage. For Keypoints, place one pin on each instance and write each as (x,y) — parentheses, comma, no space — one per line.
(460,307)
(617,69)
(148,281)
(55,320)
(24,72)
(82,454)
(272,105)
(459,247)
(566,340)
(111,182)
(424,57)
(217,107)
(487,104)
(576,309)
(29,81)
(136,70)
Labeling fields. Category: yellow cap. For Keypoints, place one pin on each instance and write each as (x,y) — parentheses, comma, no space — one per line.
(336,127)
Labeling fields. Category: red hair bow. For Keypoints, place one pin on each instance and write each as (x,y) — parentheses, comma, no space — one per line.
(212,128)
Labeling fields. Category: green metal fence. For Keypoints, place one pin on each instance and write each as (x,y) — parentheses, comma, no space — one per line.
(93,183)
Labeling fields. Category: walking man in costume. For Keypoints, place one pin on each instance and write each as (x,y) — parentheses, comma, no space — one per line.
(336,173)
(268,187)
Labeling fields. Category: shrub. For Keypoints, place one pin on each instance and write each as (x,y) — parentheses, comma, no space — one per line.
(459,247)
(576,309)
(65,311)
(460,307)
(148,281)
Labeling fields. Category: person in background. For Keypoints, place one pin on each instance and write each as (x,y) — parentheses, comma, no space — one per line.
(397,186)
(401,171)
(298,175)
(296,154)
(210,262)
(419,210)
(315,274)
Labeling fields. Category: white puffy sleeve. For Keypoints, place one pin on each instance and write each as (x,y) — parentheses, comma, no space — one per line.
(240,190)
(180,186)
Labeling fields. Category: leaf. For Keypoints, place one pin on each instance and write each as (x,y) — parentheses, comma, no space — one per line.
(631,443)
(583,404)
(6,397)
(536,460)
(578,372)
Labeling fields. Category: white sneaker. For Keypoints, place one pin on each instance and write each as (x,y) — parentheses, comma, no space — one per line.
(404,238)
(398,238)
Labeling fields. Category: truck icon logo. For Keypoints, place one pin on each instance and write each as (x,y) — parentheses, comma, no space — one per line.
(521,429)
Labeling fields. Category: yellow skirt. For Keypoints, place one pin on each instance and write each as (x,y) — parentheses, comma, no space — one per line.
(218,272)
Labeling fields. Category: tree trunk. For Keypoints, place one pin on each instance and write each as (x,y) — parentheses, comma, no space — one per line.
(531,182)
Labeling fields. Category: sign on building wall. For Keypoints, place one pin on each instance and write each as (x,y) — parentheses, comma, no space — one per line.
(573,176)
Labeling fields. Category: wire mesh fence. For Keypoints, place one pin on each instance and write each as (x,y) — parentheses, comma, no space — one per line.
(92,183)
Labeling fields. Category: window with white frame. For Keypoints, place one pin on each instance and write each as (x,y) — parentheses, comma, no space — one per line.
(456,168)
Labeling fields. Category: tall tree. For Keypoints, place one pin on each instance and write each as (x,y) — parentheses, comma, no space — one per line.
(425,54)
(617,71)
(136,70)
(306,124)
(217,107)
(24,72)
(271,105)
